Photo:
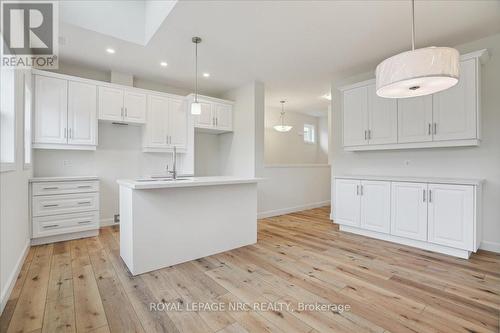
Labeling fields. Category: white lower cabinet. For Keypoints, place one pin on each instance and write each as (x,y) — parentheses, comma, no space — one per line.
(64,209)
(409,210)
(375,205)
(450,216)
(441,217)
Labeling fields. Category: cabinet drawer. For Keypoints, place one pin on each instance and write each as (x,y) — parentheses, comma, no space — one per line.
(46,188)
(65,203)
(65,223)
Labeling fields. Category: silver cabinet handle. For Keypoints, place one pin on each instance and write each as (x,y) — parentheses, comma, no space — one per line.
(65,132)
(83,202)
(435,128)
(365,135)
(126,113)
(369,134)
(84,222)
(51,205)
(430,196)
(361,189)
(423,193)
(357,189)
(51,188)
(217,121)
(429,130)
(71,133)
(121,112)
(84,186)
(50,226)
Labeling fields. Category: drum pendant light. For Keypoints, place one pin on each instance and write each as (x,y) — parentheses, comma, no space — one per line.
(417,72)
(282,127)
(196,106)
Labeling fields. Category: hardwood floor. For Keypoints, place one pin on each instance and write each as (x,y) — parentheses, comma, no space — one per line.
(83,286)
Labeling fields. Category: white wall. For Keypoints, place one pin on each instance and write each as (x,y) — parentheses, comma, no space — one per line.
(206,154)
(118,155)
(289,147)
(465,162)
(14,220)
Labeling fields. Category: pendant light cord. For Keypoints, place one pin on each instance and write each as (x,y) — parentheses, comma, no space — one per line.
(196,74)
(412,25)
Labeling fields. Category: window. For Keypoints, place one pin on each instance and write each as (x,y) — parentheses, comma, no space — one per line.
(27,119)
(309,133)
(7,119)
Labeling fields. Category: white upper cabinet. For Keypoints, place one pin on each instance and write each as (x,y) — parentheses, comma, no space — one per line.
(446,119)
(65,115)
(216,114)
(178,124)
(82,113)
(110,104)
(117,104)
(409,210)
(375,205)
(51,111)
(382,118)
(167,124)
(356,116)
(347,202)
(451,215)
(455,113)
(134,107)
(157,120)
(415,119)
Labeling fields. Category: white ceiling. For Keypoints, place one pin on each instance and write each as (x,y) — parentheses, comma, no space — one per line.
(295,47)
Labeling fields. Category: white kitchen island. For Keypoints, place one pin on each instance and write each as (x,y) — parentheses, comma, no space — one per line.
(167,222)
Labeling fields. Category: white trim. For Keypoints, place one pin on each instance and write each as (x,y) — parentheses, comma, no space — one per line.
(64,237)
(6,167)
(107,222)
(490,246)
(409,242)
(282,211)
(63,146)
(284,166)
(11,281)
(429,144)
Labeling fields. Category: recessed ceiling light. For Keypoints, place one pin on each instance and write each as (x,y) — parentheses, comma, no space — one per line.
(163,63)
(327,96)
(110,50)
(206,74)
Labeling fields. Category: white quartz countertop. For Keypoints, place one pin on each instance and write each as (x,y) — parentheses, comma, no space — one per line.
(435,180)
(61,179)
(145,184)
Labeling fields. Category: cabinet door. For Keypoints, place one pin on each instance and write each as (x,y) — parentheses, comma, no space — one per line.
(347,202)
(134,104)
(415,119)
(177,124)
(409,210)
(110,103)
(451,215)
(224,117)
(382,118)
(355,113)
(455,113)
(51,110)
(82,113)
(376,205)
(206,118)
(157,122)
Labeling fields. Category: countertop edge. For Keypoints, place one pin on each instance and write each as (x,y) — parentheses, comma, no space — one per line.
(62,179)
(195,183)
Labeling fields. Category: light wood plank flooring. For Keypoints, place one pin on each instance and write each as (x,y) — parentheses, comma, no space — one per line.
(83,286)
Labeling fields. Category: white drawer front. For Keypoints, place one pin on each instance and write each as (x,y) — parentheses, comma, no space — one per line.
(46,188)
(65,203)
(44,226)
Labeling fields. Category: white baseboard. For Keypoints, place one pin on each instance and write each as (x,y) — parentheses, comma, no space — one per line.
(490,246)
(107,222)
(11,281)
(282,211)
(65,237)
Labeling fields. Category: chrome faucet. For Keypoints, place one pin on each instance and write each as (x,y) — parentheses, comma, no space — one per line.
(174,170)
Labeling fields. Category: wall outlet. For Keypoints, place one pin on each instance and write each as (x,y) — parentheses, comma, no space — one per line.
(116,218)
(67,163)
(407,162)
